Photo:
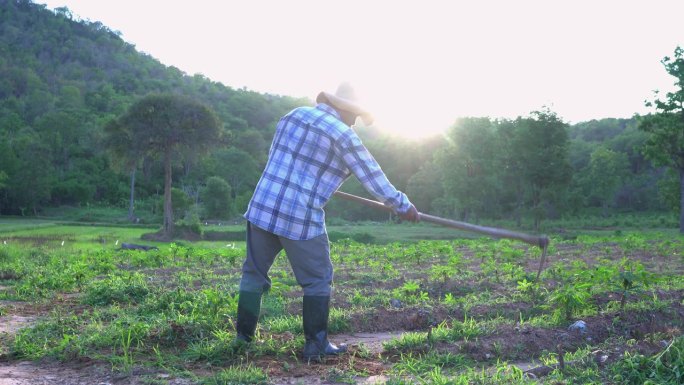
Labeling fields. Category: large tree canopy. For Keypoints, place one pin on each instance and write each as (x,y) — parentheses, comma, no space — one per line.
(665,145)
(169,127)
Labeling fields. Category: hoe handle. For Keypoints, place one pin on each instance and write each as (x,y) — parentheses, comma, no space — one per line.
(541,241)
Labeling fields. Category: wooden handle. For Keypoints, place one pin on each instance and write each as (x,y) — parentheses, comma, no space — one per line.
(541,241)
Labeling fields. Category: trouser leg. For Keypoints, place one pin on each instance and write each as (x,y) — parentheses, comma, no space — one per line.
(262,248)
(310,261)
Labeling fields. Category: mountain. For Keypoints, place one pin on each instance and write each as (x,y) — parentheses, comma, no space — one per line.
(62,79)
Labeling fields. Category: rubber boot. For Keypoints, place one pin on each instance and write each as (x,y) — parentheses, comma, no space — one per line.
(315,320)
(249,306)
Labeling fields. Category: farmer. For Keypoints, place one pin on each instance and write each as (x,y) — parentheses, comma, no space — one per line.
(313,152)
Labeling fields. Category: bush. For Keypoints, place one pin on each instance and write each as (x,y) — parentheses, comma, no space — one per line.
(180,200)
(335,236)
(216,197)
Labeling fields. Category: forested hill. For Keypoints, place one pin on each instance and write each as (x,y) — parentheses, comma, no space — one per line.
(62,80)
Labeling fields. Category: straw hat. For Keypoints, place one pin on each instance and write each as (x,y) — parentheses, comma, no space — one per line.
(345,99)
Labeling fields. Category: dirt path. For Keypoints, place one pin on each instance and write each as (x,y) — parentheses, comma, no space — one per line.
(84,373)
(91,373)
(11,323)
(372,341)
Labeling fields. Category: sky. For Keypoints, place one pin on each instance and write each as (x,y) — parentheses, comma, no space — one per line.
(416,65)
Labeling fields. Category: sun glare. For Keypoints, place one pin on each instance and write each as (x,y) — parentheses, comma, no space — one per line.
(401,119)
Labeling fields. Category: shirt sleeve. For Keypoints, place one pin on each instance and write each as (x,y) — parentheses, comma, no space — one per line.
(367,170)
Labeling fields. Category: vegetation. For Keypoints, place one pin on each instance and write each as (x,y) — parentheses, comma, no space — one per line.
(666,127)
(167,126)
(81,118)
(442,311)
(68,84)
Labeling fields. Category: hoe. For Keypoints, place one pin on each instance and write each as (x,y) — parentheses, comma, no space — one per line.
(541,241)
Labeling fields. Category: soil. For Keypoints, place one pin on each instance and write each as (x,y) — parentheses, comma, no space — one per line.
(520,344)
(76,373)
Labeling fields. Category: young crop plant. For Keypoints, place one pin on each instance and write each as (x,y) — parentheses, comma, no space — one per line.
(442,272)
(506,252)
(410,293)
(570,299)
(449,300)
(631,279)
(389,270)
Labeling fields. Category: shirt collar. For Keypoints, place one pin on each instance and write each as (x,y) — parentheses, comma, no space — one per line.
(326,108)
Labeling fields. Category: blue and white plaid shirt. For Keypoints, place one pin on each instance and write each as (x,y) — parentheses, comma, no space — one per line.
(312,154)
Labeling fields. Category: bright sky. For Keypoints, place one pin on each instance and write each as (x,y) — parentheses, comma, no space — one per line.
(418,65)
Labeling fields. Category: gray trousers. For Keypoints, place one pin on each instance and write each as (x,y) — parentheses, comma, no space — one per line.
(310,261)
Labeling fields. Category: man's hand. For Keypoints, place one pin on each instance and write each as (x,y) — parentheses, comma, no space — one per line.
(411,215)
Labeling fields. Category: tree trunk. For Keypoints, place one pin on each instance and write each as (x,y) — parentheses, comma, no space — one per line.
(131,202)
(681,200)
(168,208)
(604,209)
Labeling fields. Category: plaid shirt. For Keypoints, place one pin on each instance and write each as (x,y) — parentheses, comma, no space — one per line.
(312,154)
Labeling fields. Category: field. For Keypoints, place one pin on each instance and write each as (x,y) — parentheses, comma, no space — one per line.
(607,309)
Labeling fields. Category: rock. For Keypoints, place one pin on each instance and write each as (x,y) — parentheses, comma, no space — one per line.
(395,303)
(580,326)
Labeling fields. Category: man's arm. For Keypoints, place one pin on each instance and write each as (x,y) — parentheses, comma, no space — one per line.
(367,170)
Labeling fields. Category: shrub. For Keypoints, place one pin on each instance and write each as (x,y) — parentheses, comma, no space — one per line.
(216,197)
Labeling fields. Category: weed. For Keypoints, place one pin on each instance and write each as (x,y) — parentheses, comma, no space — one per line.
(120,288)
(663,368)
(236,375)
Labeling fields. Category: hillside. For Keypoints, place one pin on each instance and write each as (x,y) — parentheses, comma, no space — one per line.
(62,79)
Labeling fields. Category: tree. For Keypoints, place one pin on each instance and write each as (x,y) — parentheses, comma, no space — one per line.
(33,175)
(539,149)
(425,186)
(119,141)
(216,197)
(607,169)
(470,167)
(236,167)
(171,127)
(665,144)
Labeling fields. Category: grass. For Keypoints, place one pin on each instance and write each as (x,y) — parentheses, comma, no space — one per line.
(174,308)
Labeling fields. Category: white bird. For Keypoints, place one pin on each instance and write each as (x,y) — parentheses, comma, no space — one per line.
(62,243)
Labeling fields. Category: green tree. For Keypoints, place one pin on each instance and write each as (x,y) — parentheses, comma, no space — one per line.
(33,176)
(236,167)
(606,172)
(425,186)
(539,149)
(216,197)
(181,202)
(470,166)
(665,144)
(171,127)
(124,154)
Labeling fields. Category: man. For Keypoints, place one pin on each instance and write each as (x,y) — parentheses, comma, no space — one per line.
(314,151)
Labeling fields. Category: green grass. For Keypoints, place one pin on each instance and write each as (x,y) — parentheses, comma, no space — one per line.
(175,307)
